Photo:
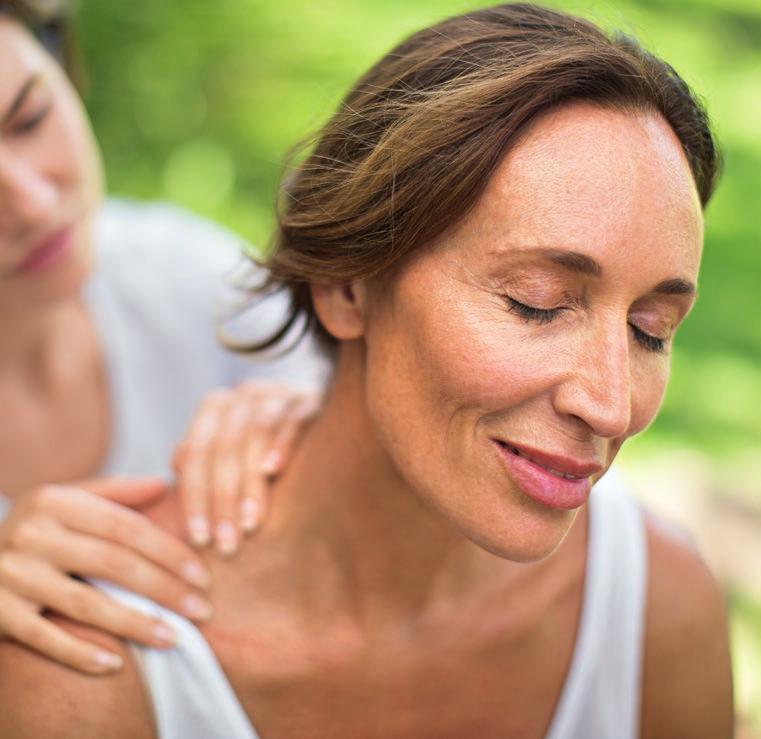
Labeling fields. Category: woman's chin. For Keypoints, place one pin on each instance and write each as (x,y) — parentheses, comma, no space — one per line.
(523,535)
(66,281)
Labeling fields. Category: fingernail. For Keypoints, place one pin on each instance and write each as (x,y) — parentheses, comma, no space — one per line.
(227,539)
(164,635)
(249,511)
(272,463)
(198,527)
(197,608)
(107,661)
(196,574)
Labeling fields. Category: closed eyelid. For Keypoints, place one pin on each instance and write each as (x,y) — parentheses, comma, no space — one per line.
(37,100)
(664,319)
(27,89)
(543,288)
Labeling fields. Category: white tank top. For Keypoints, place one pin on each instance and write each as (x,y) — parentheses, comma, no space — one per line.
(193,699)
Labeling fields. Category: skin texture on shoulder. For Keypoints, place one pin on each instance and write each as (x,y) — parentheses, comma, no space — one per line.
(40,698)
(687,678)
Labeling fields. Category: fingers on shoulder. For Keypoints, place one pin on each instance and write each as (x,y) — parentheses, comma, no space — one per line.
(40,697)
(687,670)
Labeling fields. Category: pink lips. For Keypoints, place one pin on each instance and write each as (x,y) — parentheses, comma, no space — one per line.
(553,481)
(49,252)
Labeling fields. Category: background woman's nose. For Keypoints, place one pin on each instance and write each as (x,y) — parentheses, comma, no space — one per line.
(27,196)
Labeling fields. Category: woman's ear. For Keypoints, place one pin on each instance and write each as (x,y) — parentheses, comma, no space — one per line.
(340,308)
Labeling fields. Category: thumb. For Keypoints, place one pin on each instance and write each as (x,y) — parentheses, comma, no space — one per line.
(129,491)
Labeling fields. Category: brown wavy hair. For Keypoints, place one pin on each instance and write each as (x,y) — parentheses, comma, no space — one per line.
(411,147)
(50,22)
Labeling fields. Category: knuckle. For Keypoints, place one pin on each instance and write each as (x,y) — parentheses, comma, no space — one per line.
(274,407)
(230,432)
(123,525)
(175,596)
(164,588)
(109,528)
(199,442)
(227,494)
(40,498)
(135,626)
(25,534)
(30,631)
(257,425)
(9,567)
(116,564)
(226,468)
(268,411)
(193,484)
(131,530)
(79,603)
(48,495)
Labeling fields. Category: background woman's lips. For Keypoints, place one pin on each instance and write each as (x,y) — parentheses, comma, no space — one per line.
(51,251)
(550,486)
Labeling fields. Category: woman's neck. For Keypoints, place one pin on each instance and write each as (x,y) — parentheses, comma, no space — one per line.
(344,520)
(53,385)
(32,338)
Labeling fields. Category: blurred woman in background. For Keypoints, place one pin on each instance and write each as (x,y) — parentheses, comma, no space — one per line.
(496,236)
(107,318)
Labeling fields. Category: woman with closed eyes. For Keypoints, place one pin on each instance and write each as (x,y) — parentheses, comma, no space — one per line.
(495,238)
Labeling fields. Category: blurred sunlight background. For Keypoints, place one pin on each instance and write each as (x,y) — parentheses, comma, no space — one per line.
(197,102)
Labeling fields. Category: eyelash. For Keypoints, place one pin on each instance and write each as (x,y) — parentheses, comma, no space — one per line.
(545,315)
(539,315)
(30,124)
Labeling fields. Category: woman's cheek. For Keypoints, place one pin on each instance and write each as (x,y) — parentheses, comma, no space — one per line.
(75,154)
(649,383)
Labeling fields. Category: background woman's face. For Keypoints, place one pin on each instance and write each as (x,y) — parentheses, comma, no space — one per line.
(538,330)
(50,183)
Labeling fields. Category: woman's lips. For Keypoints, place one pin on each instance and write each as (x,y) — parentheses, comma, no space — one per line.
(557,482)
(49,252)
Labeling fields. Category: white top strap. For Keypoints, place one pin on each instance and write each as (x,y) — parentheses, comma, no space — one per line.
(601,696)
(192,698)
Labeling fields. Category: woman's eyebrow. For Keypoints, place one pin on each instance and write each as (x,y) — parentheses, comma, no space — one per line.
(577,262)
(18,101)
(675,286)
(571,260)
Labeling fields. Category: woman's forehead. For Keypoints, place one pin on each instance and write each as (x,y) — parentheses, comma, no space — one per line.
(583,149)
(21,56)
(590,181)
(586,174)
(18,47)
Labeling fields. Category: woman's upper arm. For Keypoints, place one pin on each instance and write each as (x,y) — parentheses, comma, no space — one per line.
(41,698)
(687,680)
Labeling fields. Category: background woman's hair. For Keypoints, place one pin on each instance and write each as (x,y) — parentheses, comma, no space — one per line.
(49,21)
(414,143)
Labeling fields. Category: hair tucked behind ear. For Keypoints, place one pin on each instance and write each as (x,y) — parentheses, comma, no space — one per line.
(412,146)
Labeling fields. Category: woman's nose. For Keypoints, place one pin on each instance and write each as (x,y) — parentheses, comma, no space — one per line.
(598,387)
(27,196)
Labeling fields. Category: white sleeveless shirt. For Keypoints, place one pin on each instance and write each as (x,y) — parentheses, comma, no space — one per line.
(192,698)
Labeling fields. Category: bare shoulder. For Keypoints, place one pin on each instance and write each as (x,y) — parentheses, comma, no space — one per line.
(40,698)
(687,682)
